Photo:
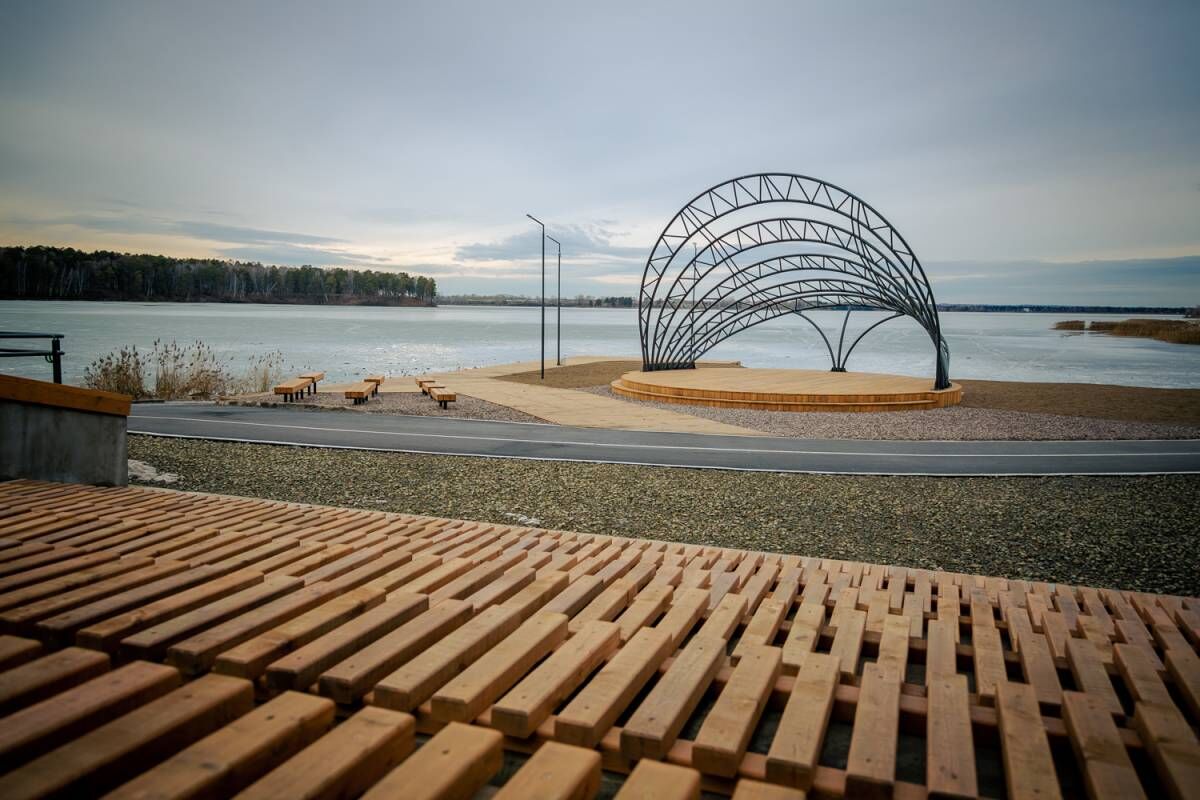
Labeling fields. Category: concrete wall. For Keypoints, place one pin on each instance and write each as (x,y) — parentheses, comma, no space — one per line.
(62,444)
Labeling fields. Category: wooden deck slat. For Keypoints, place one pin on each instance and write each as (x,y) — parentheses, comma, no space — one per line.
(654,780)
(555,772)
(47,676)
(530,702)
(454,763)
(1028,765)
(344,762)
(1107,769)
(656,723)
(722,741)
(43,726)
(100,760)
(228,760)
(950,750)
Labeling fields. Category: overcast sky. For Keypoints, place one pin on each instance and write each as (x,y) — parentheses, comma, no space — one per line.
(1029,152)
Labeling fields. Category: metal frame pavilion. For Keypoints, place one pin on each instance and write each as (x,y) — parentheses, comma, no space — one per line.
(771,244)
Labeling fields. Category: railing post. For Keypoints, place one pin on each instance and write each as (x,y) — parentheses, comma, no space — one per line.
(56,359)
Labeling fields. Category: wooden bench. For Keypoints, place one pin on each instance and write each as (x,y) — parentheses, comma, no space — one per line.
(293,388)
(375,379)
(427,383)
(442,395)
(314,377)
(360,392)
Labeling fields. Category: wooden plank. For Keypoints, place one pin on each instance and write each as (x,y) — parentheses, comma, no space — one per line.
(796,748)
(893,646)
(1172,745)
(555,772)
(417,681)
(22,618)
(251,658)
(344,762)
(724,619)
(949,747)
(804,634)
(1028,765)
(47,676)
(989,659)
(100,760)
(1036,661)
(763,626)
(871,763)
(15,651)
(748,789)
(1107,770)
(530,702)
(1091,676)
(725,734)
(655,780)
(655,724)
(847,641)
(455,763)
(687,607)
(348,669)
(480,684)
(40,727)
(941,660)
(1184,668)
(598,705)
(230,759)
(107,635)
(197,653)
(644,610)
(152,643)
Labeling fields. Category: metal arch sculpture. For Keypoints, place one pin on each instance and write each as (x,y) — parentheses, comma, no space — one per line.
(839,252)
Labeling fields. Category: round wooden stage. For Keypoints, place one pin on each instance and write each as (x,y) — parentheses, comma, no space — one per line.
(786,389)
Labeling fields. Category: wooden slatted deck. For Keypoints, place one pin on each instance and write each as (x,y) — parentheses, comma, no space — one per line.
(155,642)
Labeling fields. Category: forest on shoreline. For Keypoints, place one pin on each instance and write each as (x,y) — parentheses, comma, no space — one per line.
(57,273)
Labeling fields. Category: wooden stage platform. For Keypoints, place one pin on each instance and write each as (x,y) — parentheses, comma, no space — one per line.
(786,389)
(162,644)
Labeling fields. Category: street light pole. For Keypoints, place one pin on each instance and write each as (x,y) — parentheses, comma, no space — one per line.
(543,225)
(558,319)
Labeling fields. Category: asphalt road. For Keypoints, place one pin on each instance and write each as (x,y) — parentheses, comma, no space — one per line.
(447,436)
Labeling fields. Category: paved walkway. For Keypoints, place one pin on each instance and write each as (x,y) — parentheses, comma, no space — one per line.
(448,436)
(565,406)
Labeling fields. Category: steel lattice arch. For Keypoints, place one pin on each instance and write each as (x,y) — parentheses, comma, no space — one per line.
(762,246)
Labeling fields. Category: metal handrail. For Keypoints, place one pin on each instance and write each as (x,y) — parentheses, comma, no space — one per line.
(53,355)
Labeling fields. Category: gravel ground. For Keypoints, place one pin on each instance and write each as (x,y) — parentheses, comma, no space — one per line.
(954,423)
(1129,532)
(411,403)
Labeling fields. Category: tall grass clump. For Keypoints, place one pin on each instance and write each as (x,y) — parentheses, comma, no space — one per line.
(260,375)
(122,372)
(1176,331)
(183,372)
(1069,325)
(171,371)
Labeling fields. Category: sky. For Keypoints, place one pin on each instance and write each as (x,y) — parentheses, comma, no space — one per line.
(1029,152)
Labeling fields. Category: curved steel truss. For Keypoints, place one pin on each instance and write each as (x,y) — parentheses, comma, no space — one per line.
(723,265)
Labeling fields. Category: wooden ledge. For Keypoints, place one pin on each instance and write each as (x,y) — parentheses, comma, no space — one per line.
(26,390)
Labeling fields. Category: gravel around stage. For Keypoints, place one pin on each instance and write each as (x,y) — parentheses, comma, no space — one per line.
(939,424)
(1128,532)
(411,403)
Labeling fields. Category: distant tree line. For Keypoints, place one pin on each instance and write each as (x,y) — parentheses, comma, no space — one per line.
(578,301)
(54,273)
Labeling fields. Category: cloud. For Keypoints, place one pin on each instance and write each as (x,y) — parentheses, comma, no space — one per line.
(617,280)
(581,244)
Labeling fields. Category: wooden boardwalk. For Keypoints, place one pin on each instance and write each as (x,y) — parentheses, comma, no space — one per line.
(169,644)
